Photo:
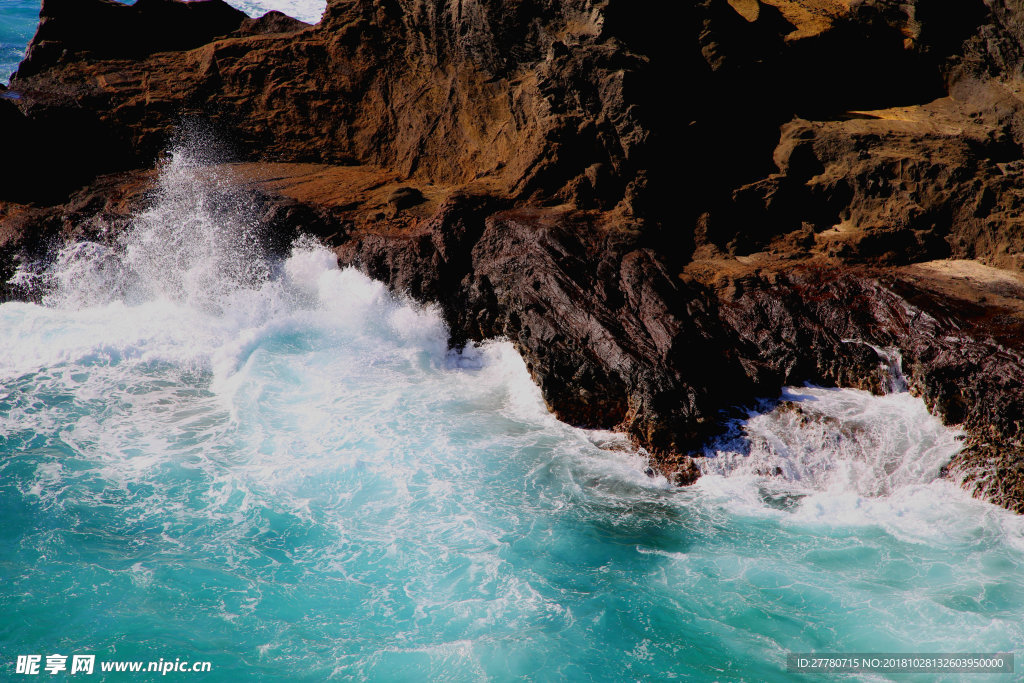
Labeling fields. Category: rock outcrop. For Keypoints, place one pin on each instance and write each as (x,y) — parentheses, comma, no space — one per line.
(670,208)
(89,30)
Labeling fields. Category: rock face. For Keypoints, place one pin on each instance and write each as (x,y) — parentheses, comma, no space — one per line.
(556,99)
(671,208)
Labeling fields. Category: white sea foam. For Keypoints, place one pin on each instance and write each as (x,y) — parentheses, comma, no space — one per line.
(188,287)
(834,458)
(308,11)
(838,440)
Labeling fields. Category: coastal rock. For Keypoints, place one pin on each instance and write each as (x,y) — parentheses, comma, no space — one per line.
(605,330)
(562,99)
(613,339)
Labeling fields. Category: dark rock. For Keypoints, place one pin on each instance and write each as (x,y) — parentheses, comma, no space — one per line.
(405,197)
(614,341)
(557,99)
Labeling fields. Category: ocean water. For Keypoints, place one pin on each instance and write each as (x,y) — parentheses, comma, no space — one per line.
(18,20)
(276,466)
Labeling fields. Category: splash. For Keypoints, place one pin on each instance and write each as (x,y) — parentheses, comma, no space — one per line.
(837,440)
(198,245)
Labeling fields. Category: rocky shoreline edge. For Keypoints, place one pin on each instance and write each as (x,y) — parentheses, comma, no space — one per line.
(657,267)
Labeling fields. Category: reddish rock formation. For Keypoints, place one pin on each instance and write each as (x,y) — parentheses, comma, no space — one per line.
(670,208)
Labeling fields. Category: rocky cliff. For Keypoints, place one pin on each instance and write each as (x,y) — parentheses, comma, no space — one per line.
(670,208)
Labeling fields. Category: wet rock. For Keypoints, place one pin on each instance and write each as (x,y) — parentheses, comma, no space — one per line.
(683,472)
(991,470)
(614,341)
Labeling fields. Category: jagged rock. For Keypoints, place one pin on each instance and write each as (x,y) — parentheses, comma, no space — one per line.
(560,99)
(614,340)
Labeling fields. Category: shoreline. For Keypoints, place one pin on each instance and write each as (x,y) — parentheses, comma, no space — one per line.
(528,186)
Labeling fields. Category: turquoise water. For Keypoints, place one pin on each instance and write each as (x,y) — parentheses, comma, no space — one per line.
(279,468)
(18,19)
